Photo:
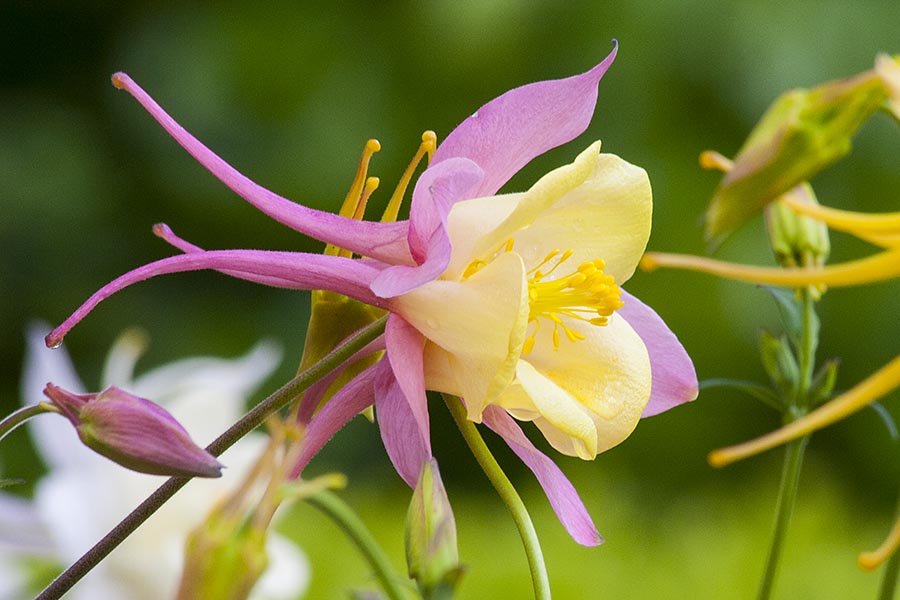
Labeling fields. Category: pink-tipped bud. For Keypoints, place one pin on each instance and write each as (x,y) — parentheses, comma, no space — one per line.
(134,433)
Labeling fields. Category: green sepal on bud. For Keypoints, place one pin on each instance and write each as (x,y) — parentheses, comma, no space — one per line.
(224,558)
(431,550)
(797,240)
(779,363)
(822,386)
(800,134)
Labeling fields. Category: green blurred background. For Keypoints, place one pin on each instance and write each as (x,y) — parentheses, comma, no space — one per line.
(289,92)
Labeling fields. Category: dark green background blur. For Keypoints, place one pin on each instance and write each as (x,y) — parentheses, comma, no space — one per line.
(289,94)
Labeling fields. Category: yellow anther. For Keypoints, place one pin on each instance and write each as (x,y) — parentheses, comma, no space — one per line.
(509,245)
(429,142)
(712,160)
(587,294)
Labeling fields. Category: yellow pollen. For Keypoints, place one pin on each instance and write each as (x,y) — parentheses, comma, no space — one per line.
(587,294)
(712,160)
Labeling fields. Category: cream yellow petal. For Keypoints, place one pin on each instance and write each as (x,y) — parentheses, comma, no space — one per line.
(562,411)
(480,325)
(608,372)
(608,216)
(546,192)
(470,220)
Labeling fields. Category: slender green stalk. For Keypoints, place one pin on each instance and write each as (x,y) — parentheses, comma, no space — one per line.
(278,400)
(787,494)
(508,494)
(18,417)
(332,505)
(888,588)
(793,454)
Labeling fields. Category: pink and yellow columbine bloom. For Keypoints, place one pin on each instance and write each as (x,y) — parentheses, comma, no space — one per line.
(512,302)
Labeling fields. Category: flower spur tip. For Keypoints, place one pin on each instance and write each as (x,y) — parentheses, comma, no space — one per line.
(120,80)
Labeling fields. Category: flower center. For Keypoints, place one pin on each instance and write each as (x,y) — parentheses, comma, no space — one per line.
(586,294)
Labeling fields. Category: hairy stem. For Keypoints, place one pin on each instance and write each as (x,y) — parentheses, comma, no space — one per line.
(278,400)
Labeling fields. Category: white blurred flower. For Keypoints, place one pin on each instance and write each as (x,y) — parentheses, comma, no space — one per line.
(84,495)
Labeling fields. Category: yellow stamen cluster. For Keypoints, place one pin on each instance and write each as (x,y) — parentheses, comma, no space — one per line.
(587,294)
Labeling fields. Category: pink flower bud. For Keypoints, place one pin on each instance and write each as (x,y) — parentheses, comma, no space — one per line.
(134,433)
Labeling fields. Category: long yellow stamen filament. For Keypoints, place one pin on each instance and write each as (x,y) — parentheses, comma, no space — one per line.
(833,217)
(879,267)
(882,382)
(359,213)
(869,561)
(428,145)
(882,229)
(354,196)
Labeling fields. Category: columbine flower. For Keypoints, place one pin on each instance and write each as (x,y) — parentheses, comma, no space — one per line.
(512,302)
(881,230)
(801,133)
(84,495)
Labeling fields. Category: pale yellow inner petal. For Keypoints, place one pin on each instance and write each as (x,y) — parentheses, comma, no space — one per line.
(608,217)
(478,323)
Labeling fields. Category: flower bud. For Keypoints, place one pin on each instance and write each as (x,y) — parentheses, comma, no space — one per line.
(224,558)
(797,240)
(134,433)
(800,134)
(431,552)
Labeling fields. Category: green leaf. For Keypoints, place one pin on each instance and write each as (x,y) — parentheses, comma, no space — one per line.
(886,418)
(759,391)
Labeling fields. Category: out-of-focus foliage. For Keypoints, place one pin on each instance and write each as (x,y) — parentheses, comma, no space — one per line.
(289,92)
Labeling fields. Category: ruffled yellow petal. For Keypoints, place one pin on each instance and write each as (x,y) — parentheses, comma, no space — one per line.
(478,327)
(608,216)
(608,373)
(548,190)
(562,411)
(471,220)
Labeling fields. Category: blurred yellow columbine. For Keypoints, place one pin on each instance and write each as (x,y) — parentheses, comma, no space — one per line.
(882,230)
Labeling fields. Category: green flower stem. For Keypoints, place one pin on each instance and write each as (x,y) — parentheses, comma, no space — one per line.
(278,400)
(787,494)
(888,588)
(332,505)
(23,414)
(793,454)
(508,494)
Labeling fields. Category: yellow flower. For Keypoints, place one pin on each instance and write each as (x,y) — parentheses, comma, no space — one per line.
(534,277)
